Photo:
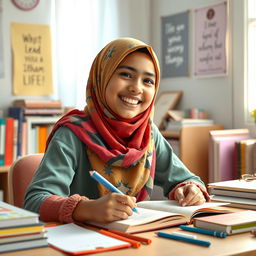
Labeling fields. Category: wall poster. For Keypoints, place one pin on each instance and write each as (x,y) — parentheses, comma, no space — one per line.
(175,40)
(32,59)
(210,29)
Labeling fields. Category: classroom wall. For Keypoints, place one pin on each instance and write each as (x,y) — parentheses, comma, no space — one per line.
(214,94)
(221,96)
(133,20)
(39,15)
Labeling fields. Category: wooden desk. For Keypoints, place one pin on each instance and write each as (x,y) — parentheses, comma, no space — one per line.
(241,244)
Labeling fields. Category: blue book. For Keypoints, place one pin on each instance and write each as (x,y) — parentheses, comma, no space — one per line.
(17,113)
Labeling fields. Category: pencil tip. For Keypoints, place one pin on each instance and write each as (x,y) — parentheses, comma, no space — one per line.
(90,172)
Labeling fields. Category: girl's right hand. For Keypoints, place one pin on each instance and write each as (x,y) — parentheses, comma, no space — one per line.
(108,208)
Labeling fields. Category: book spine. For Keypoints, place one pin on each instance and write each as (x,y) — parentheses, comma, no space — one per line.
(15,139)
(9,141)
(24,139)
(238,145)
(242,157)
(18,113)
(42,137)
(38,104)
(2,140)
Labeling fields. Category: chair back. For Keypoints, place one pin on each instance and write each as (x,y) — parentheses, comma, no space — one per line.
(20,175)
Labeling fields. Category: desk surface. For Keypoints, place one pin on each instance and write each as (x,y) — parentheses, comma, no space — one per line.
(240,244)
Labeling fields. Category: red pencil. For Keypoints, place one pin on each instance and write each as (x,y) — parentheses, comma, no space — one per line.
(132,242)
(133,237)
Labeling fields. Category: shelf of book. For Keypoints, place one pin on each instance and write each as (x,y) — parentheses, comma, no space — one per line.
(34,126)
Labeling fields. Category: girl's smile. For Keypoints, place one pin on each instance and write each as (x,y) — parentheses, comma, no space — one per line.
(131,88)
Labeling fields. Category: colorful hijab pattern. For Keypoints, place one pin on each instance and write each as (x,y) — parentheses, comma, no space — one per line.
(122,150)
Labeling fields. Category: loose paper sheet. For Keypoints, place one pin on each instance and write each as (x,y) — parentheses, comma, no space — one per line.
(73,238)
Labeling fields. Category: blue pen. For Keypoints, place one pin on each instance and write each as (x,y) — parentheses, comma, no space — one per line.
(204,231)
(107,184)
(184,239)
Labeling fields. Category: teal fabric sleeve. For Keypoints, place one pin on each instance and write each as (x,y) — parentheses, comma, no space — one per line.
(64,170)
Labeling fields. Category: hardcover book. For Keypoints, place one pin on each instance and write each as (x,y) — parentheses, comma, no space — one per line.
(37,103)
(222,153)
(11,216)
(231,223)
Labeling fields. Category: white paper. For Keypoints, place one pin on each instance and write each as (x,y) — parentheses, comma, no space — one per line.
(73,238)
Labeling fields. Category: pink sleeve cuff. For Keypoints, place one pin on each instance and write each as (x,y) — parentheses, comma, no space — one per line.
(60,209)
(206,195)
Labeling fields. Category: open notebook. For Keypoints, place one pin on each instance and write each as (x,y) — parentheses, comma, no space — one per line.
(154,215)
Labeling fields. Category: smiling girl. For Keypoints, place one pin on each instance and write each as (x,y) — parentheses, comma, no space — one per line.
(114,135)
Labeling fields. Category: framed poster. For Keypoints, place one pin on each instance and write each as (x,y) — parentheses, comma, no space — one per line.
(165,101)
(175,41)
(210,50)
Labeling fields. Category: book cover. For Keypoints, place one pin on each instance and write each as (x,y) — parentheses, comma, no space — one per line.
(22,229)
(2,140)
(236,202)
(9,133)
(173,125)
(15,140)
(226,154)
(233,193)
(42,137)
(43,111)
(217,163)
(24,139)
(231,223)
(11,216)
(236,185)
(248,155)
(22,237)
(160,214)
(17,113)
(22,245)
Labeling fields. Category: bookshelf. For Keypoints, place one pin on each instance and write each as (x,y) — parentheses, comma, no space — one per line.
(193,147)
(31,122)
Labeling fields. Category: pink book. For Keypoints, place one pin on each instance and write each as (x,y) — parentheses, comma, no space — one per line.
(226,157)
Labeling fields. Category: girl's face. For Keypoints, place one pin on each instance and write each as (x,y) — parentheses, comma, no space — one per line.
(131,88)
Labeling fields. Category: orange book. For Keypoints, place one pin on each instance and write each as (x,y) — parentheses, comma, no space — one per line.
(9,134)
(42,137)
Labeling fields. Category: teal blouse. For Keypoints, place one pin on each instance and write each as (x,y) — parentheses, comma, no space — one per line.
(65,167)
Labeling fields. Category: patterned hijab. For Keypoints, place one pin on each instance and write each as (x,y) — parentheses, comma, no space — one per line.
(122,150)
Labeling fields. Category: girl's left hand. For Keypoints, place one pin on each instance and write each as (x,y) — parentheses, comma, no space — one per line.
(189,194)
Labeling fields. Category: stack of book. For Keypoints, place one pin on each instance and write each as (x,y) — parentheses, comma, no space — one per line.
(20,229)
(176,126)
(230,223)
(225,156)
(238,193)
(26,128)
(39,107)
